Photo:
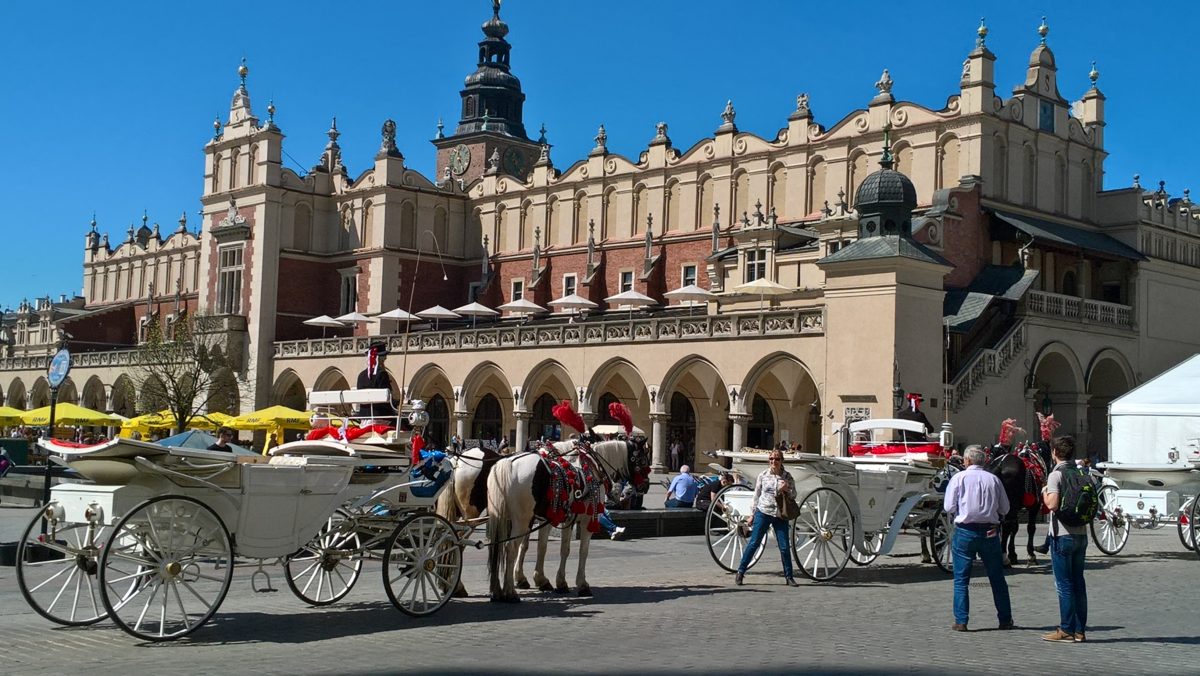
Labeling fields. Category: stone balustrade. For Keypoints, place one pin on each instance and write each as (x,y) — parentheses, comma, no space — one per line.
(1077,309)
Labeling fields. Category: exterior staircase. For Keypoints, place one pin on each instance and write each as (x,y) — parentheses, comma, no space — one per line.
(987,362)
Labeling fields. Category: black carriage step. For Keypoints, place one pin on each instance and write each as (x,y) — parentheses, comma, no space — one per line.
(648,523)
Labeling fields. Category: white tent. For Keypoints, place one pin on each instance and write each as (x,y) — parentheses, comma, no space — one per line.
(1158,417)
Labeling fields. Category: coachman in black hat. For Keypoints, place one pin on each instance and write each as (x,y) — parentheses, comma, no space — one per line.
(375,377)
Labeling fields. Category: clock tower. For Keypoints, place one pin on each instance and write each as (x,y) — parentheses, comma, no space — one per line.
(491,116)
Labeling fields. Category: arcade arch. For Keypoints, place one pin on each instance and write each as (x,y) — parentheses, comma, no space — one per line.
(697,405)
(1109,377)
(16,397)
(789,395)
(1058,382)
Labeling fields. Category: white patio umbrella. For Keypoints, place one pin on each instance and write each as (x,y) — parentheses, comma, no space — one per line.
(324,321)
(474,311)
(353,317)
(437,313)
(572,302)
(691,294)
(629,300)
(763,287)
(399,315)
(522,307)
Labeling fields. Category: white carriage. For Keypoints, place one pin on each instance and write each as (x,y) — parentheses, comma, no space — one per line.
(851,508)
(151,539)
(1153,476)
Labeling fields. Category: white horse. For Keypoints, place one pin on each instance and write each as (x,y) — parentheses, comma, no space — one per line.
(466,496)
(517,489)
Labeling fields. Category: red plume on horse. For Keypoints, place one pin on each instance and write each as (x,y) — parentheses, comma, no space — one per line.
(1009,429)
(568,417)
(620,413)
(1048,426)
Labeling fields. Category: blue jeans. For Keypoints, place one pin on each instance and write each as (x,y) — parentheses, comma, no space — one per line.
(758,531)
(606,522)
(672,503)
(1066,558)
(970,540)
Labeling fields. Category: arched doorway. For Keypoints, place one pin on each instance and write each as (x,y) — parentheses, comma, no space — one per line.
(760,433)
(1110,377)
(124,398)
(682,426)
(438,430)
(487,421)
(603,417)
(1058,390)
(542,423)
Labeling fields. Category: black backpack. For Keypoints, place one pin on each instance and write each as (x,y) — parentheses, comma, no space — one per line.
(1077,498)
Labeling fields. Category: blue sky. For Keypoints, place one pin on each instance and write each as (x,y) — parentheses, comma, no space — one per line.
(107,106)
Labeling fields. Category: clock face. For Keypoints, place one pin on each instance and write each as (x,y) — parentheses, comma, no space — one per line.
(514,162)
(460,159)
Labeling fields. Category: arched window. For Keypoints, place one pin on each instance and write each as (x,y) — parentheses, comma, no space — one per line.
(408,225)
(1000,169)
(233,168)
(705,216)
(904,159)
(761,431)
(1030,193)
(948,173)
(439,227)
(346,225)
(778,197)
(816,185)
(216,173)
(486,423)
(542,423)
(671,220)
(438,430)
(1069,286)
(553,218)
(253,164)
(741,195)
(858,171)
(580,220)
(368,223)
(1060,184)
(641,209)
(602,415)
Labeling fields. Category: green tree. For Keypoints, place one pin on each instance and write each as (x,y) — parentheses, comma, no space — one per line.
(184,368)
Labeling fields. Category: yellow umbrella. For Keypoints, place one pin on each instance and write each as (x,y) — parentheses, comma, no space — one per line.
(147,421)
(10,415)
(273,417)
(66,414)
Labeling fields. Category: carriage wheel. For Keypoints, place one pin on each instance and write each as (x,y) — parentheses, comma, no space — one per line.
(166,568)
(941,530)
(326,568)
(1194,523)
(57,571)
(1110,527)
(1187,534)
(726,530)
(872,542)
(821,534)
(421,564)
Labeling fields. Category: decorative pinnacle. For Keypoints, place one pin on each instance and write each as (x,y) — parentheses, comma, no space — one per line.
(440,127)
(729,113)
(885,160)
(271,111)
(601,138)
(1137,180)
(1187,195)
(486,118)
(145,218)
(884,85)
(183,221)
(243,71)
(93,223)
(542,134)
(1094,74)
(1043,30)
(982,32)
(217,127)
(333,131)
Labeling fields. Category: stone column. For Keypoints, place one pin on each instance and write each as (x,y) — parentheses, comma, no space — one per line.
(589,419)
(460,423)
(740,422)
(522,431)
(658,441)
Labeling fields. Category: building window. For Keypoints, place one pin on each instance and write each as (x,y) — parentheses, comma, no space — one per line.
(689,275)
(834,247)
(473,291)
(756,264)
(569,285)
(229,280)
(626,280)
(348,294)
(518,289)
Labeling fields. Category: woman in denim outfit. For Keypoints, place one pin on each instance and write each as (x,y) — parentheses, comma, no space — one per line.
(774,481)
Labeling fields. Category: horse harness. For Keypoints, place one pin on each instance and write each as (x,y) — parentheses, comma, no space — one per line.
(575,489)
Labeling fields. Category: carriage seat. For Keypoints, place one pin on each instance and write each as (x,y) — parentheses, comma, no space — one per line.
(433,471)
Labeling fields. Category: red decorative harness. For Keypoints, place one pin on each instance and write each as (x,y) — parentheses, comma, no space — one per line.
(575,489)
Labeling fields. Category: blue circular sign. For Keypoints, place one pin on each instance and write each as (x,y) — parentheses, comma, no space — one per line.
(60,366)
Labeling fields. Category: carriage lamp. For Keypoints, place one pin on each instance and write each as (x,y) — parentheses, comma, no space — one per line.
(94,514)
(55,513)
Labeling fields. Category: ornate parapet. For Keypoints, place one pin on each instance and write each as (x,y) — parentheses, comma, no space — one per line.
(798,322)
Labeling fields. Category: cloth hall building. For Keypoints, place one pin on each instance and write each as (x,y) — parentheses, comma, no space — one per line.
(967,253)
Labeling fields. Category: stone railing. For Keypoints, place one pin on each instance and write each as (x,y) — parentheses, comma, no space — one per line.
(988,362)
(127,357)
(805,321)
(1073,308)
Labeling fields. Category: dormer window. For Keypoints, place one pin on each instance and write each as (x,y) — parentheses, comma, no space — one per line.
(1046,116)
(756,264)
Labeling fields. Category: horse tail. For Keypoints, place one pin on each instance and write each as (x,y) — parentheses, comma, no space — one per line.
(498,524)
(446,505)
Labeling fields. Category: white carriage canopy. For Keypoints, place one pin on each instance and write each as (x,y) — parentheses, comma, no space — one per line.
(1160,416)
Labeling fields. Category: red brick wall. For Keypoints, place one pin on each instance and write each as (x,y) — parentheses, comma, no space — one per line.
(308,289)
(966,242)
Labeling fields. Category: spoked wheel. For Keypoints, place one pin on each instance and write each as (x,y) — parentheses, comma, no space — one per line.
(872,543)
(821,535)
(1187,535)
(166,568)
(421,564)
(941,529)
(727,527)
(1110,528)
(326,568)
(1194,524)
(57,571)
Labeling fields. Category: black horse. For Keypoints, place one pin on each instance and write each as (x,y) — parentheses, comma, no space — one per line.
(1023,474)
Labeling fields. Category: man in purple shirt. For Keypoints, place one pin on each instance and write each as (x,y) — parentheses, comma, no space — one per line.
(978,502)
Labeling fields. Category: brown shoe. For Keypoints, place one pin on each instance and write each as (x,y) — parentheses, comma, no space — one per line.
(959,627)
(1080,637)
(1008,625)
(1059,635)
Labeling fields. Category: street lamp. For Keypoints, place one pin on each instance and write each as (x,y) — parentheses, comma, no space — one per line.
(897,397)
(1047,405)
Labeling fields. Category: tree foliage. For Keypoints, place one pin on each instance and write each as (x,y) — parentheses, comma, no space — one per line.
(185,369)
